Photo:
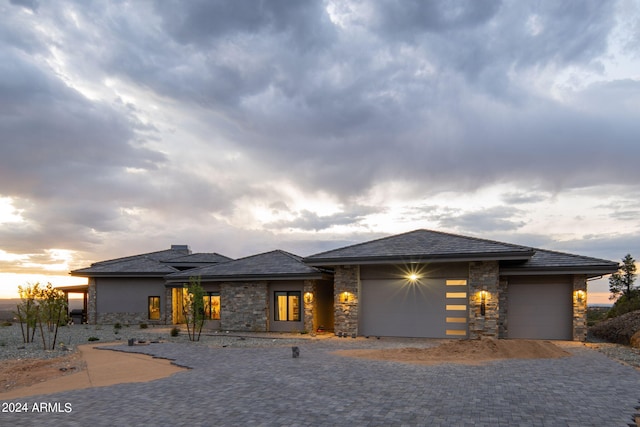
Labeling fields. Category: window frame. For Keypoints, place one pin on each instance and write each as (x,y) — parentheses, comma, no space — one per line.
(151,307)
(207,303)
(276,306)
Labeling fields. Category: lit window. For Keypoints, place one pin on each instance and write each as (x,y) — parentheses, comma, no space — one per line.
(154,308)
(212,306)
(287,306)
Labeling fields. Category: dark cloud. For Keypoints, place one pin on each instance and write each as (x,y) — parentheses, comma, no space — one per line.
(116,120)
(311,221)
(485,221)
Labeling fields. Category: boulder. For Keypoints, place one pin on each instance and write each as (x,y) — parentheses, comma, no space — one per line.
(635,340)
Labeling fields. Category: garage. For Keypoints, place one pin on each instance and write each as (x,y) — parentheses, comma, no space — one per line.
(430,308)
(540,309)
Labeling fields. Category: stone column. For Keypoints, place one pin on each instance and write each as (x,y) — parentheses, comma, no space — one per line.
(579,299)
(168,306)
(503,326)
(92,306)
(309,312)
(483,279)
(345,285)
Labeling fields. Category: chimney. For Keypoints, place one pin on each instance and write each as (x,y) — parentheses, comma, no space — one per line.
(182,248)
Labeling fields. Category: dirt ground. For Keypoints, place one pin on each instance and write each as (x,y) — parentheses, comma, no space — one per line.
(470,352)
(25,372)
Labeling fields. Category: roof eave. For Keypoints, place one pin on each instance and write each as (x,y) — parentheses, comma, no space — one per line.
(250,277)
(589,271)
(127,274)
(416,259)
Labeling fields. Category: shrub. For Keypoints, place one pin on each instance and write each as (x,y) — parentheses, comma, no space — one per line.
(93,339)
(6,323)
(143,326)
(174,332)
(117,325)
(625,304)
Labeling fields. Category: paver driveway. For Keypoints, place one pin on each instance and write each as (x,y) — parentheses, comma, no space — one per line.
(266,386)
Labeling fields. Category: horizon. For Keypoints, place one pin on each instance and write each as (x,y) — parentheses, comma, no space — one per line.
(307,126)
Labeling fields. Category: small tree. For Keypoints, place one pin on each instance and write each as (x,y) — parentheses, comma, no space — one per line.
(193,308)
(27,310)
(622,282)
(52,312)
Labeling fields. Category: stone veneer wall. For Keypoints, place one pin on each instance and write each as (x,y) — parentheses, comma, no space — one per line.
(126,319)
(92,302)
(243,307)
(503,326)
(346,279)
(579,308)
(309,312)
(168,306)
(483,276)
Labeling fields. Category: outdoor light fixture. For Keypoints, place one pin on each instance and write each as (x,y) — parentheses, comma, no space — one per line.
(580,296)
(483,302)
(308,297)
(345,296)
(413,277)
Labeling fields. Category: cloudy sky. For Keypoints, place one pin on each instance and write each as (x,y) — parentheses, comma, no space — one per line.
(242,126)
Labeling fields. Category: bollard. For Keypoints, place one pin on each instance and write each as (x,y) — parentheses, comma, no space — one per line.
(296,352)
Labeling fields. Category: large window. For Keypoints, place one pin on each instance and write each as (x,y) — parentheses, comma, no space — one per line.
(287,306)
(154,308)
(212,306)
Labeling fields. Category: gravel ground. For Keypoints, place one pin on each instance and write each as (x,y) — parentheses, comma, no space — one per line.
(13,347)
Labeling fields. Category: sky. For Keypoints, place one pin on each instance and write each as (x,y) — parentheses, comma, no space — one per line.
(239,127)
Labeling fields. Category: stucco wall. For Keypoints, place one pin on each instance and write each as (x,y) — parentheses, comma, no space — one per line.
(125,300)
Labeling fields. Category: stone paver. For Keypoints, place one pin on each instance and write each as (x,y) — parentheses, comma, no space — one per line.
(266,386)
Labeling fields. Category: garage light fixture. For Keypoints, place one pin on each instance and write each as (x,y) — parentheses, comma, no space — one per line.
(413,277)
(484,295)
(580,296)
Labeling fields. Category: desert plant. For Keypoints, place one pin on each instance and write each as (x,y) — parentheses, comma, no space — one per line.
(175,331)
(143,326)
(117,325)
(53,312)
(93,339)
(193,308)
(27,310)
(6,323)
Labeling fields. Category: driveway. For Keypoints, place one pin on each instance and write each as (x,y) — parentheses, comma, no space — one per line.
(266,386)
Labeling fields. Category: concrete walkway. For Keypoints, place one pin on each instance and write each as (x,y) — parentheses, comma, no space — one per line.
(266,386)
(103,368)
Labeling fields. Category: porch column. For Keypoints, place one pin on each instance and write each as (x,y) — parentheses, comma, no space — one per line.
(579,299)
(346,283)
(483,299)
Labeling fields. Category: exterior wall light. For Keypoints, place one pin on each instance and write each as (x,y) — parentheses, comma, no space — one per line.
(345,297)
(580,296)
(308,297)
(484,295)
(413,277)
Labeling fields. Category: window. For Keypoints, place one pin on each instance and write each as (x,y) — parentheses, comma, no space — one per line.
(287,306)
(212,306)
(154,308)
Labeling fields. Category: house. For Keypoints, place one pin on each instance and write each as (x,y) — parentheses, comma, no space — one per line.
(132,289)
(272,291)
(422,283)
(431,284)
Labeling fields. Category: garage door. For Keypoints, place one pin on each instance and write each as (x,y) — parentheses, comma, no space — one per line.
(431,308)
(540,311)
